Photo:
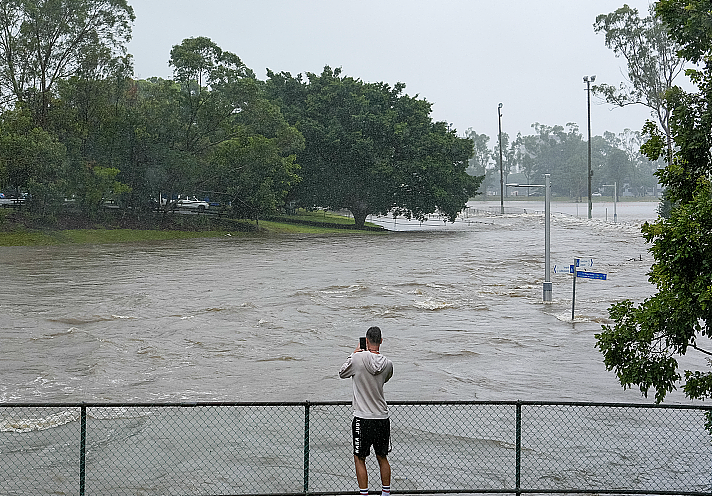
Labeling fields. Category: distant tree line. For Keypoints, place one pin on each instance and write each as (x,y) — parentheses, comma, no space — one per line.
(76,125)
(653,62)
(562,152)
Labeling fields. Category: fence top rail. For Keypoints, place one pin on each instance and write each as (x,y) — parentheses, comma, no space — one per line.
(304,404)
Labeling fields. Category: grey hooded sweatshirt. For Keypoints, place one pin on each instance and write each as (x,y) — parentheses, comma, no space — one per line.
(368,371)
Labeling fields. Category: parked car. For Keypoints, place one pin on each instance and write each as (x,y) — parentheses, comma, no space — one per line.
(12,199)
(193,203)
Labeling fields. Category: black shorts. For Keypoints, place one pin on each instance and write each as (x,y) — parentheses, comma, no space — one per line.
(367,432)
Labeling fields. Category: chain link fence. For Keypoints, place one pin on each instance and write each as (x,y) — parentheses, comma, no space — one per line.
(305,448)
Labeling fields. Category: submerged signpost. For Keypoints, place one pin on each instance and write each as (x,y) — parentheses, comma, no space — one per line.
(584,274)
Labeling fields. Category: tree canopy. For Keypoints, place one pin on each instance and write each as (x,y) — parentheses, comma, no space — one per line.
(561,151)
(209,131)
(644,343)
(46,41)
(481,153)
(651,55)
(371,149)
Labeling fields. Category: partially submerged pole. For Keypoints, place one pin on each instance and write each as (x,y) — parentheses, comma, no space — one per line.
(547,240)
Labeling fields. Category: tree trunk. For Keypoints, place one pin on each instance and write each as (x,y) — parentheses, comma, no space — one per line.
(359,218)
(360,212)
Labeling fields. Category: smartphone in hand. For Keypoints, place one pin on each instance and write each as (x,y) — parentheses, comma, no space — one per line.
(362,343)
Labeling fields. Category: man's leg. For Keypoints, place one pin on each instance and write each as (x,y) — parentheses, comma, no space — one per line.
(385,471)
(361,473)
(381,446)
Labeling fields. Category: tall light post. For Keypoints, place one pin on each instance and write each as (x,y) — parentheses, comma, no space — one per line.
(588,81)
(501,173)
(547,238)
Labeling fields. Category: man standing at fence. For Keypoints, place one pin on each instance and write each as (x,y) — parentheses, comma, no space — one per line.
(369,370)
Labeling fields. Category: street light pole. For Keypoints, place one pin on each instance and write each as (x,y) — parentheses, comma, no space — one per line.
(588,82)
(547,239)
(501,173)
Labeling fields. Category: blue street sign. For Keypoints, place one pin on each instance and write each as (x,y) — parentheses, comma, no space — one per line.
(591,275)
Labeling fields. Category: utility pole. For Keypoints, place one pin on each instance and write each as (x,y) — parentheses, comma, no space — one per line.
(588,81)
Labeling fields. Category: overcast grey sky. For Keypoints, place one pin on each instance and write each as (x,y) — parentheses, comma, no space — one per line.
(464,56)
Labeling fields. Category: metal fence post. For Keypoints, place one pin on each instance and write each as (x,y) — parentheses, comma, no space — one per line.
(82,450)
(518,442)
(306,448)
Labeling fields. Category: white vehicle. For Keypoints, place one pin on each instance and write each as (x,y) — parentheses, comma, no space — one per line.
(193,203)
(6,201)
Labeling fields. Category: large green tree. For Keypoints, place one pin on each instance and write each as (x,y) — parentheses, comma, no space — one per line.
(215,86)
(86,116)
(372,149)
(651,55)
(209,131)
(45,41)
(256,168)
(33,161)
(153,147)
(645,342)
(46,45)
(561,152)
(244,149)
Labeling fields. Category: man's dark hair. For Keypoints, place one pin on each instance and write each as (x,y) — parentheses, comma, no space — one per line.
(374,335)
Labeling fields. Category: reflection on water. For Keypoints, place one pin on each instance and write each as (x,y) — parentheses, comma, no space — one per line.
(273,317)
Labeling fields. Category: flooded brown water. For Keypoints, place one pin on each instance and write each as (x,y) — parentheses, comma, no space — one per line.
(273,317)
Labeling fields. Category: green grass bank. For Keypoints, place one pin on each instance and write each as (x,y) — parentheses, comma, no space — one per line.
(18,229)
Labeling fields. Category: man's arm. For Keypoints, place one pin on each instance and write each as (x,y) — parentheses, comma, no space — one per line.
(389,371)
(347,369)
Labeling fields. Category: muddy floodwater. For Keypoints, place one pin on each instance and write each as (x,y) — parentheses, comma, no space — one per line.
(272,318)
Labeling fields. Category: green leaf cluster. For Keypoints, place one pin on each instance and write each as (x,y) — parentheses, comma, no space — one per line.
(106,137)
(45,42)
